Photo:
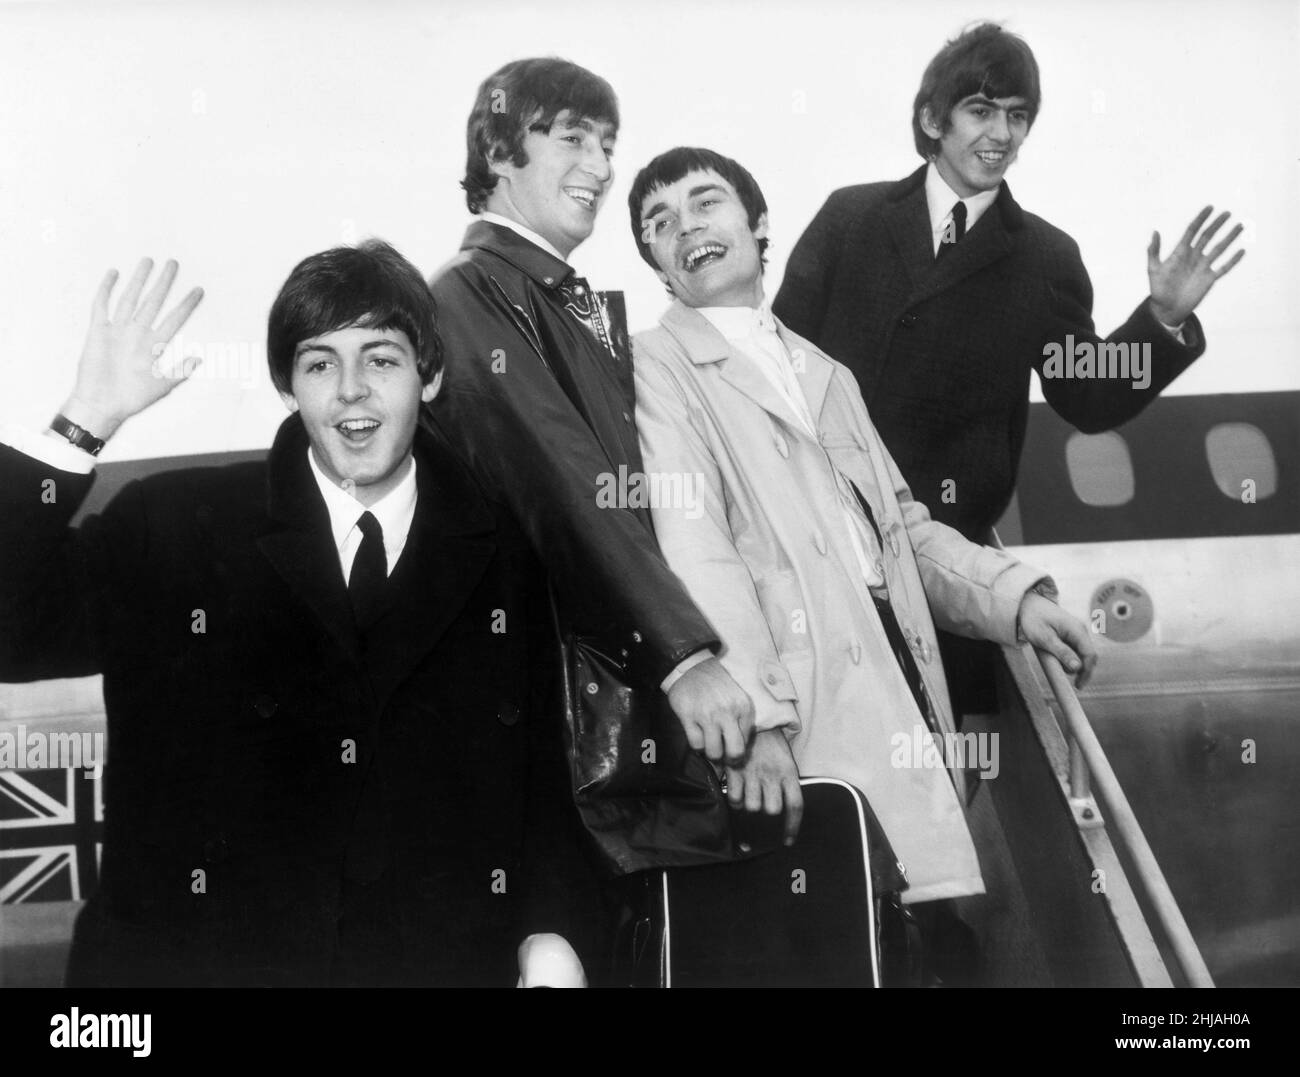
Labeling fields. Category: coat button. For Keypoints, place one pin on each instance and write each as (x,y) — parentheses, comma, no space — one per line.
(626,417)
(894,544)
(548,280)
(782,447)
(265,705)
(855,652)
(771,678)
(508,714)
(215,850)
(819,540)
(879,567)
(925,650)
(907,320)
(593,688)
(636,637)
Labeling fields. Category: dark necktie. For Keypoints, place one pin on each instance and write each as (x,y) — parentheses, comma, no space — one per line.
(369,572)
(955,230)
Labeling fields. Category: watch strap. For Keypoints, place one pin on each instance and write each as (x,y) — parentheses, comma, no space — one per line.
(77,436)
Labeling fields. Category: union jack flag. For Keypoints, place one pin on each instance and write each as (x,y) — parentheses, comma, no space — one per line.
(51,834)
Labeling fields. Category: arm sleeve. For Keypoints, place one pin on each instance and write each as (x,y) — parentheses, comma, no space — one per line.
(972,590)
(696,540)
(57,453)
(532,450)
(54,577)
(1096,404)
(805,289)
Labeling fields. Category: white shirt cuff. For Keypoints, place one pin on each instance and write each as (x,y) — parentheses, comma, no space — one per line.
(684,666)
(56,452)
(1175,331)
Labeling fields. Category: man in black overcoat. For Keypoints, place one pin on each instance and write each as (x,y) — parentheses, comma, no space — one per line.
(326,763)
(941,295)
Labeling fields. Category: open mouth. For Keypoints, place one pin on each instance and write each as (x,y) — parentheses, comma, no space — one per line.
(703,256)
(357,430)
(584,197)
(992,158)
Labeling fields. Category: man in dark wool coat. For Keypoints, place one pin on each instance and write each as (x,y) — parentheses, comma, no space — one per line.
(941,294)
(326,766)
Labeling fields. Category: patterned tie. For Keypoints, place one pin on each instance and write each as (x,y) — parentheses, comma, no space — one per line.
(954,231)
(369,572)
(602,313)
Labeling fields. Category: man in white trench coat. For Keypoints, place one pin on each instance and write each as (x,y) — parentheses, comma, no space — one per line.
(794,532)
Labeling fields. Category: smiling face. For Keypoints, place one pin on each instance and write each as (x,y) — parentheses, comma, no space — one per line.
(981,141)
(359,392)
(559,191)
(699,235)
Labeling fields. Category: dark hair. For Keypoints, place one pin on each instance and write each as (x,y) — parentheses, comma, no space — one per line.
(371,286)
(680,162)
(985,59)
(523,96)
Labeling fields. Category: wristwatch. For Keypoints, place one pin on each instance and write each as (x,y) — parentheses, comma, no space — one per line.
(78,436)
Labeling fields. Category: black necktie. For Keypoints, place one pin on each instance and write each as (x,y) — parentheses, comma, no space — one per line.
(369,572)
(953,233)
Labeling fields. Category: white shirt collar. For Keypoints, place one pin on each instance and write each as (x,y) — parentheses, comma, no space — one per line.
(394,511)
(738,323)
(519,229)
(939,198)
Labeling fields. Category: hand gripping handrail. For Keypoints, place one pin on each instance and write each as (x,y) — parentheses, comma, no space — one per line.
(1116,805)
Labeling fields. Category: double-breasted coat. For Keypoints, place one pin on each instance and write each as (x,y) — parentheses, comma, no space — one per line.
(759,538)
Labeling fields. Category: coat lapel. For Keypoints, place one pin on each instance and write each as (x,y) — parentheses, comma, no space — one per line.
(907,216)
(704,344)
(450,546)
(299,544)
(597,382)
(446,553)
(813,369)
(982,245)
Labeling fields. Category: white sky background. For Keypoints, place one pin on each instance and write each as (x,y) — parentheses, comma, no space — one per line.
(240,137)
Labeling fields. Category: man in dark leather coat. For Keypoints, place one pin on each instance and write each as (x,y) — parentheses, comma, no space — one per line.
(538,387)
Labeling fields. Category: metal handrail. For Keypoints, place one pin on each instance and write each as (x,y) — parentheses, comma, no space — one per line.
(1117,808)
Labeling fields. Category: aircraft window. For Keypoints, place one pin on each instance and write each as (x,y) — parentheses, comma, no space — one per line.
(1101,469)
(1239,453)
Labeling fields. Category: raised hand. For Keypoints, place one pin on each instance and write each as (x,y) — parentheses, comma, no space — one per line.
(1182,280)
(120,372)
